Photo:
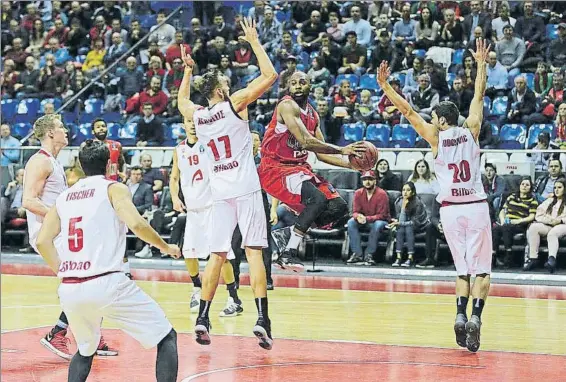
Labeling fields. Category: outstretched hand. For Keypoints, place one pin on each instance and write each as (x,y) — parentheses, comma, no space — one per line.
(250,31)
(383,73)
(482,50)
(186,58)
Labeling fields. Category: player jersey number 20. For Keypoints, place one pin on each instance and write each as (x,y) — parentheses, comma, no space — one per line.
(461,171)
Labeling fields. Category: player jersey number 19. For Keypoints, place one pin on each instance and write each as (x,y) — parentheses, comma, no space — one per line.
(75,235)
(227,147)
(461,171)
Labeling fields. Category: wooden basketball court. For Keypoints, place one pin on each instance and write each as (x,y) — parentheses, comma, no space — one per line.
(325,329)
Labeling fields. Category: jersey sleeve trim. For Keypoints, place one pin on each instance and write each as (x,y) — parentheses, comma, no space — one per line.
(235,113)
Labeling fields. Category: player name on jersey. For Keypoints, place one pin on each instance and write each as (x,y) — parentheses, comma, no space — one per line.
(78,195)
(451,142)
(215,117)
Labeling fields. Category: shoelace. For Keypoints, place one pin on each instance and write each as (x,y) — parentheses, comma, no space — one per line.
(102,344)
(60,343)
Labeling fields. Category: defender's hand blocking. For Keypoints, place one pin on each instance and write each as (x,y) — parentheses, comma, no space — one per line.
(383,73)
(482,51)
(250,31)
(187,59)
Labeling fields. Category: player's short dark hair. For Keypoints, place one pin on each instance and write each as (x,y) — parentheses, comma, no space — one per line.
(97,120)
(449,111)
(93,157)
(207,83)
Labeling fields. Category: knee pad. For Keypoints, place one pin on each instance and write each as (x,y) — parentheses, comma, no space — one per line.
(336,213)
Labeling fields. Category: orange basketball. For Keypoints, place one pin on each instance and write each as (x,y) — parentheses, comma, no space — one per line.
(368,159)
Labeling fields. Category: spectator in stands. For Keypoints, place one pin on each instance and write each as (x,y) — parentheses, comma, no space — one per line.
(389,112)
(510,52)
(377,9)
(173,78)
(137,34)
(8,79)
(30,17)
(17,54)
(150,128)
(335,30)
(521,102)
(52,80)
(116,50)
(173,52)
(530,27)
(155,69)
(544,185)
(284,76)
(131,79)
(59,31)
(244,62)
(94,61)
(329,125)
(154,95)
(550,222)
(426,30)
(197,31)
(7,14)
(116,27)
(152,51)
(361,27)
(220,28)
(151,176)
(384,23)
(477,18)
(26,85)
(386,179)
(330,52)
(468,72)
(163,35)
(37,37)
(49,108)
(7,142)
(226,69)
(215,53)
(543,80)
(172,114)
(384,52)
(423,179)
(77,37)
(311,33)
(77,84)
(15,31)
(517,213)
(461,97)
(540,159)
(556,54)
(345,99)
(61,54)
(257,12)
(353,56)
(499,23)
(560,127)
(404,30)
(412,219)
(319,75)
(497,77)
(370,212)
(494,186)
(424,99)
(82,13)
(12,199)
(270,32)
(109,12)
(412,78)
(99,30)
(437,77)
(364,110)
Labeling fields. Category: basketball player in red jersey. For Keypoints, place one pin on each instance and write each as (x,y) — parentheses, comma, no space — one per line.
(464,212)
(285,174)
(100,132)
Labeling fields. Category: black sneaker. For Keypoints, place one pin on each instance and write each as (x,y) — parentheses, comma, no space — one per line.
(369,260)
(355,258)
(202,329)
(530,264)
(269,286)
(289,261)
(281,237)
(262,330)
(460,330)
(550,264)
(473,327)
(427,263)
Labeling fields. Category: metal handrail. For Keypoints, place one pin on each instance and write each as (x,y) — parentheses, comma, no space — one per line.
(106,70)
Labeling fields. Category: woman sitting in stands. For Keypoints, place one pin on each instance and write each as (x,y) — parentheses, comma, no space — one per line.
(386,180)
(550,222)
(412,219)
(517,213)
(424,180)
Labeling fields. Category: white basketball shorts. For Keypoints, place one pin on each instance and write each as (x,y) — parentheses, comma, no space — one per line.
(245,211)
(467,228)
(198,235)
(117,298)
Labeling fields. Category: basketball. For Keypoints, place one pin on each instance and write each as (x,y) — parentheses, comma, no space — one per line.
(368,159)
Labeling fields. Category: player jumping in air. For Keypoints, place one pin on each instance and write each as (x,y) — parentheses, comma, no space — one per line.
(285,174)
(223,128)
(464,212)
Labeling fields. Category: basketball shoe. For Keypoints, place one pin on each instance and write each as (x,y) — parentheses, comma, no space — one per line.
(473,327)
(58,344)
(460,329)
(232,308)
(105,350)
(202,329)
(288,258)
(195,300)
(262,330)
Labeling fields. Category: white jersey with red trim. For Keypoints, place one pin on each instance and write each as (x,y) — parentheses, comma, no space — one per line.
(55,184)
(457,167)
(93,238)
(228,142)
(194,168)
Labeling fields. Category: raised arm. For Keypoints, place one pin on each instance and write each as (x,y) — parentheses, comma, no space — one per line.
(242,98)
(290,114)
(121,199)
(37,171)
(184,103)
(50,229)
(475,117)
(425,130)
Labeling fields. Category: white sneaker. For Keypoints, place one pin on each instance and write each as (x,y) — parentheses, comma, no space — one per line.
(195,301)
(232,309)
(145,253)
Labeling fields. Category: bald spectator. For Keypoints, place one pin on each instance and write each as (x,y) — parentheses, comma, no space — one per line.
(361,27)
(195,32)
(311,33)
(424,99)
(48,108)
(28,79)
(7,142)
(404,30)
(83,14)
(99,30)
(116,50)
(452,32)
(154,96)
(17,54)
(521,102)
(151,175)
(59,31)
(131,79)
(497,76)
(116,27)
(163,35)
(510,52)
(216,51)
(61,54)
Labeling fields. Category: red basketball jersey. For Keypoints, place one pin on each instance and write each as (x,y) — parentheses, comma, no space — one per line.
(115,151)
(279,144)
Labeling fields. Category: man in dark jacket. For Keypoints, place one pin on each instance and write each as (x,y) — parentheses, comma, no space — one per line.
(521,102)
(424,99)
(476,19)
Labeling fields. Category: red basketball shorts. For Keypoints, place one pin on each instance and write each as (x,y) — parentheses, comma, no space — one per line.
(284,182)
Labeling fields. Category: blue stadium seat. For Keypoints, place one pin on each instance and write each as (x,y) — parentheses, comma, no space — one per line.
(369,82)
(421,53)
(9,107)
(27,110)
(113,130)
(401,77)
(304,59)
(177,130)
(55,101)
(552,31)
(69,117)
(81,58)
(530,80)
(499,106)
(81,134)
(147,21)
(157,5)
(486,105)
(535,130)
(512,136)
(93,106)
(112,116)
(283,16)
(458,57)
(403,135)
(21,129)
(378,134)
(353,132)
(352,78)
(450,77)
(494,129)
(87,118)
(127,134)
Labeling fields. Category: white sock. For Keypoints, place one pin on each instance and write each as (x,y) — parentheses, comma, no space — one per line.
(294,240)
(126,266)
